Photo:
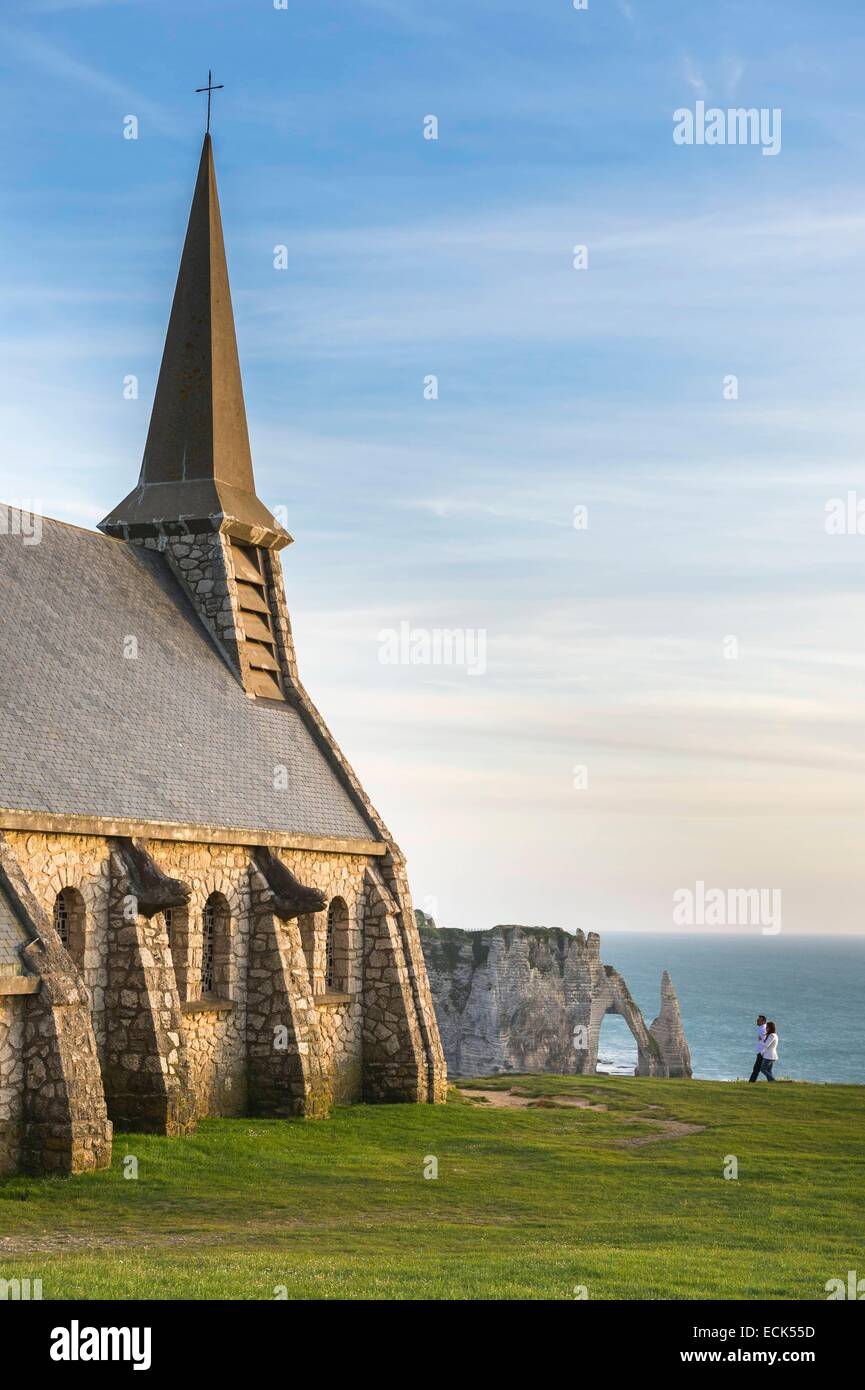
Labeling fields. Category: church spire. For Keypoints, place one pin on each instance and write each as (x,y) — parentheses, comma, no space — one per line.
(197,469)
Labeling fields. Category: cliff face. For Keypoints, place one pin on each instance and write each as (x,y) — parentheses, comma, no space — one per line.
(532,999)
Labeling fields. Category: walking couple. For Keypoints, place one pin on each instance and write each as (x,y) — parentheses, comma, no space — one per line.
(767,1049)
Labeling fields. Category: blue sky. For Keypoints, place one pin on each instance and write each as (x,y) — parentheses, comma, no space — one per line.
(558,388)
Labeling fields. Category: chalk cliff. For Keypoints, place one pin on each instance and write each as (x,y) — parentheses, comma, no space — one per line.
(532,999)
(668,1031)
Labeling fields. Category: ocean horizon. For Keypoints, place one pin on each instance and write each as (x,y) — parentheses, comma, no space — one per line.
(812,987)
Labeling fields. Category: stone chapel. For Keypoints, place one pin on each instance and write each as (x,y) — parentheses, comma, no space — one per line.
(200,911)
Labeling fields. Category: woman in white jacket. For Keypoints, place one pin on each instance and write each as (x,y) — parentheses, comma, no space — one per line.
(770,1051)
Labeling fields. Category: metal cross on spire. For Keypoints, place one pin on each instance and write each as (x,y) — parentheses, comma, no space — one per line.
(209,89)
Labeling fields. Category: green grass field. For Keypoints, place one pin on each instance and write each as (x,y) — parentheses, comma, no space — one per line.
(528,1203)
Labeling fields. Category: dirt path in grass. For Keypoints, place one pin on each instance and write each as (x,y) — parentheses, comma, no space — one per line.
(521,1100)
(71,1243)
(58,1243)
(667,1129)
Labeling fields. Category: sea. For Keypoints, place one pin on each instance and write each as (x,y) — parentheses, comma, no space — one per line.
(813,988)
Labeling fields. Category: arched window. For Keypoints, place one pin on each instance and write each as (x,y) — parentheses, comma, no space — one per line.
(330,952)
(215,948)
(208,948)
(336,947)
(70,923)
(61,918)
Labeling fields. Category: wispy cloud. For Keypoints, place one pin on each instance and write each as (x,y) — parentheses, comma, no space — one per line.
(61,6)
(734,71)
(416,16)
(37,52)
(693,76)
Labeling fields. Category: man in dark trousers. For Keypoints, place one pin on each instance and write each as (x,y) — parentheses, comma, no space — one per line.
(761,1038)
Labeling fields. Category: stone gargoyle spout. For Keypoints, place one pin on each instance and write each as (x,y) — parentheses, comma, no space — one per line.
(291,898)
(153,889)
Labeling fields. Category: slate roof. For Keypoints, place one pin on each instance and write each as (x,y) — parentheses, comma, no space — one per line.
(170,736)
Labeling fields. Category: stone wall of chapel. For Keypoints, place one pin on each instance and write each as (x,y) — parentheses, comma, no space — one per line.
(11,1080)
(54,862)
(216,1037)
(216,1048)
(339,1032)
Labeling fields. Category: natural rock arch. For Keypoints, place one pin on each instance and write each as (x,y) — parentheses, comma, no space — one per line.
(517,999)
(610,995)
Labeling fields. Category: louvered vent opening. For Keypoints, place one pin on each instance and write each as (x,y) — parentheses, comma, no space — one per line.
(257,620)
